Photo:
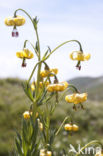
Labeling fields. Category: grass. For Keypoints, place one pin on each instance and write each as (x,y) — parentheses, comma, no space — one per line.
(13,102)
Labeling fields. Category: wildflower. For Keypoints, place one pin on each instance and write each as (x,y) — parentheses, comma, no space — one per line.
(68,127)
(48,153)
(15,21)
(75,127)
(79,56)
(45,73)
(57,87)
(41,84)
(71,127)
(76,98)
(24,54)
(65,84)
(27,114)
(43,152)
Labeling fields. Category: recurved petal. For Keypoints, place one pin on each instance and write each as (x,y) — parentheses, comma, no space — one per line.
(87,57)
(70,98)
(20,54)
(19,20)
(55,70)
(9,21)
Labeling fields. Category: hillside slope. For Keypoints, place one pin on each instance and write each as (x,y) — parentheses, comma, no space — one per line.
(93,86)
(13,103)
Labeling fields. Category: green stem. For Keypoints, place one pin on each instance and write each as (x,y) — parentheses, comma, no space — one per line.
(33,26)
(66,118)
(34,71)
(38,43)
(70,88)
(25,13)
(87,145)
(38,75)
(73,87)
(39,66)
(47,128)
(54,75)
(64,44)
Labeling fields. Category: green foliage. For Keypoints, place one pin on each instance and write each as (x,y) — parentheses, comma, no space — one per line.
(13,102)
(26,143)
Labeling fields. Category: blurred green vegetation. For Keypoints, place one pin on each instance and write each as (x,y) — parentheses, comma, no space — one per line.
(13,102)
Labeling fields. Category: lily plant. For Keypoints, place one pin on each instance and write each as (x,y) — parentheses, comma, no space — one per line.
(37,134)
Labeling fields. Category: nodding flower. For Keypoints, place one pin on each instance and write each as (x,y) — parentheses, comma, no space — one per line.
(76,98)
(15,21)
(71,127)
(57,87)
(24,54)
(44,152)
(79,56)
(45,73)
(27,114)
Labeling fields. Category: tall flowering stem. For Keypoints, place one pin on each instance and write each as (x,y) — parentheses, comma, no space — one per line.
(34,22)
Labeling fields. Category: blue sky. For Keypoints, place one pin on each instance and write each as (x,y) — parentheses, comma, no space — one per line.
(59,20)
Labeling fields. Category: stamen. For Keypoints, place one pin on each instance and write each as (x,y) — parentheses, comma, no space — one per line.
(15,33)
(78,67)
(24,63)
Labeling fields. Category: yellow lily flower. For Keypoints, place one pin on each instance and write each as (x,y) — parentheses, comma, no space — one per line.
(75,127)
(79,56)
(70,127)
(41,84)
(57,87)
(15,21)
(25,53)
(76,98)
(27,114)
(45,73)
(48,153)
(43,152)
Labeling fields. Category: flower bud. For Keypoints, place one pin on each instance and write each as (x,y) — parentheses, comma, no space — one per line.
(27,114)
(68,127)
(75,127)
